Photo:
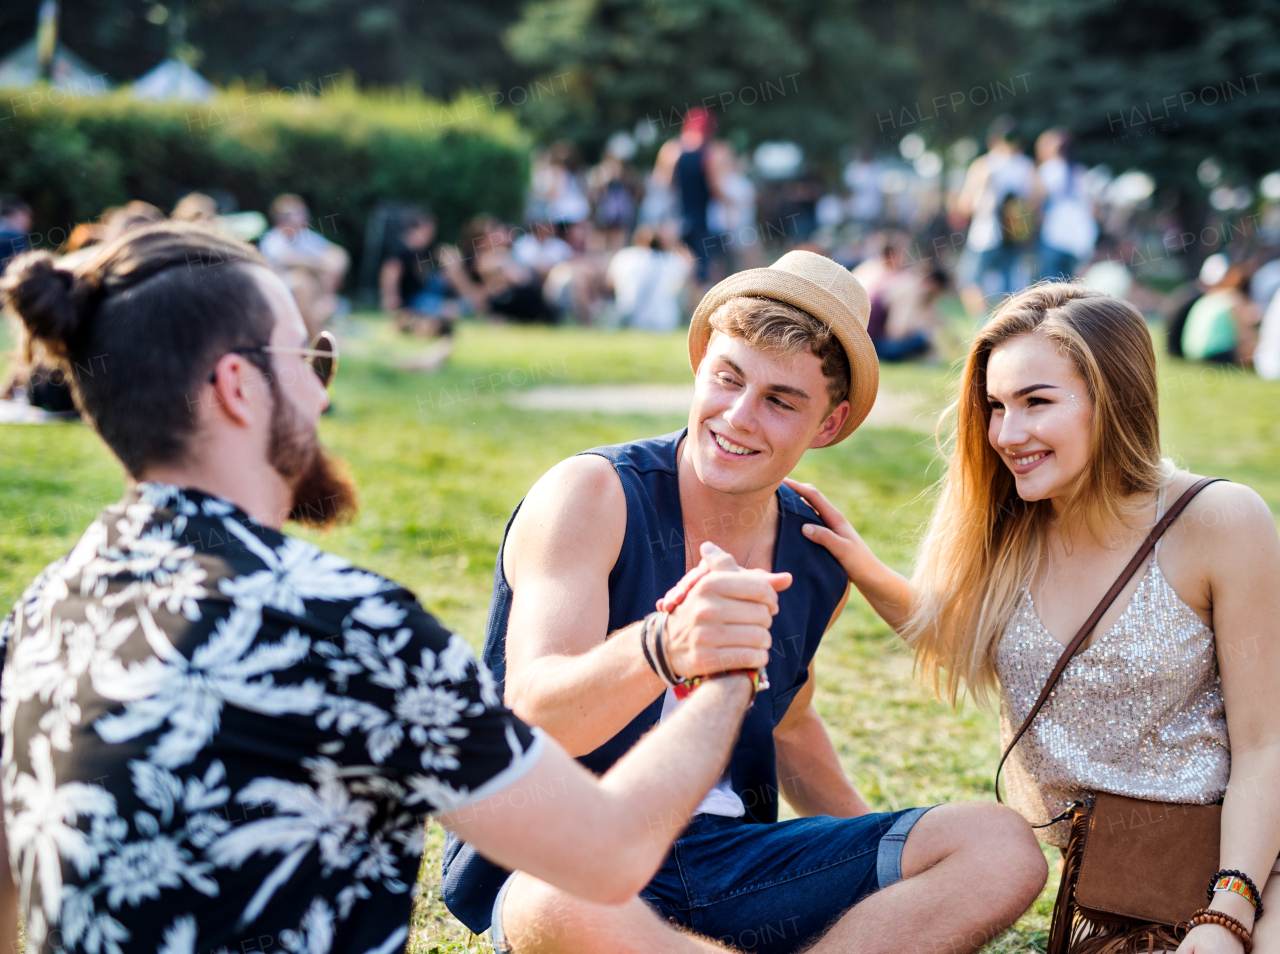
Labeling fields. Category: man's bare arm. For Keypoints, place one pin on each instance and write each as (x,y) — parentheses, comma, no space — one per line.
(809,773)
(810,776)
(604,839)
(562,674)
(665,166)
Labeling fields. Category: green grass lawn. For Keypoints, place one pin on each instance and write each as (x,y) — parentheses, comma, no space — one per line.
(441,460)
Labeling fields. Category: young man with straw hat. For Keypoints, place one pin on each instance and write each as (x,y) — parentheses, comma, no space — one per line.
(579,635)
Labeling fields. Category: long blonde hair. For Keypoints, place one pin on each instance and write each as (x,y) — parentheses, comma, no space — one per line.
(984,542)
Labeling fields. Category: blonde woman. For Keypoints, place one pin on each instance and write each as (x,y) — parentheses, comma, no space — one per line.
(1055,479)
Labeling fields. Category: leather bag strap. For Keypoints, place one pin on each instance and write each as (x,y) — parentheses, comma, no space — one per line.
(1077,641)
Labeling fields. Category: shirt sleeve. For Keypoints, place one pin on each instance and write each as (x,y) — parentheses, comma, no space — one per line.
(8,626)
(442,729)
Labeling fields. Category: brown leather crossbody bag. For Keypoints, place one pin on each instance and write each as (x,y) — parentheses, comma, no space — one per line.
(1133,869)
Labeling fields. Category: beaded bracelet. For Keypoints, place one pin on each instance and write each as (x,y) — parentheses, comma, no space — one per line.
(1229,879)
(1204,916)
(759,680)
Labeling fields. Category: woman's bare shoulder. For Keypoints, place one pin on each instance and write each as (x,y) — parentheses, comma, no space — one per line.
(1223,514)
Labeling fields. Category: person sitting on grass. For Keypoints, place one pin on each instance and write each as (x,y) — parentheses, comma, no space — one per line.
(311,265)
(1221,326)
(905,323)
(415,290)
(217,736)
(782,363)
(1055,478)
(648,278)
(490,278)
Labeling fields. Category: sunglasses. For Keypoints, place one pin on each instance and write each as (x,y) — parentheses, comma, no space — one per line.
(322,356)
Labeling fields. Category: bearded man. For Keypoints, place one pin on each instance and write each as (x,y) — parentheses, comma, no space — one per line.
(220,738)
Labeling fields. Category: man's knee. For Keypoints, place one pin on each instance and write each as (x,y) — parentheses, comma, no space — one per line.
(537,918)
(1002,843)
(997,845)
(534,915)
(1022,855)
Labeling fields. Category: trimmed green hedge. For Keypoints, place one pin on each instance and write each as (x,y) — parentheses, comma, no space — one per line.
(342,150)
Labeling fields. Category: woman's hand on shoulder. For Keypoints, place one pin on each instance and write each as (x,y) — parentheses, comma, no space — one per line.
(838,535)
(887,592)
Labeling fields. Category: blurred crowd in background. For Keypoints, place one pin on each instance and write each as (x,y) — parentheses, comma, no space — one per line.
(625,244)
(620,245)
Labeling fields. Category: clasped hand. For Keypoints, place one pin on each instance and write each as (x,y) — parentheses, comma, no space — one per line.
(720,616)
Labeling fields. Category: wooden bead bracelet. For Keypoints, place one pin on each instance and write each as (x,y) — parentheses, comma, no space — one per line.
(1204,916)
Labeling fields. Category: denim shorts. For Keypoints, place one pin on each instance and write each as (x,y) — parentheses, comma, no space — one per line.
(770,888)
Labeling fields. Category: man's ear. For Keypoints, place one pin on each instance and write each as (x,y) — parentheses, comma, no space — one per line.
(236,385)
(831,425)
(706,345)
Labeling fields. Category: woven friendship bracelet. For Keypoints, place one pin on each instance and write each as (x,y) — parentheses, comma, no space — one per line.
(759,680)
(1229,879)
(1226,921)
(1240,887)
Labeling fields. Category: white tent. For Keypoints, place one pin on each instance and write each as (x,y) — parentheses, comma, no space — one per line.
(21,68)
(174,79)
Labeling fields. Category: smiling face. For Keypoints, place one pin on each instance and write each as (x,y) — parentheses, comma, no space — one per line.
(754,415)
(1041,416)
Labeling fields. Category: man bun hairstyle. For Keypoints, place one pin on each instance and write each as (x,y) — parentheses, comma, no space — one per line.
(777,328)
(137,328)
(49,301)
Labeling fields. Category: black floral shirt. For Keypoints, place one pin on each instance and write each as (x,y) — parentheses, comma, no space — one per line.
(217,739)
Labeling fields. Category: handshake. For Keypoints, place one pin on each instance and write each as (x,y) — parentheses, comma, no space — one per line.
(718,620)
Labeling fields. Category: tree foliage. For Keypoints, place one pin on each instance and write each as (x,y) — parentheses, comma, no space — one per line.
(72,161)
(844,64)
(442,46)
(1156,84)
(1159,84)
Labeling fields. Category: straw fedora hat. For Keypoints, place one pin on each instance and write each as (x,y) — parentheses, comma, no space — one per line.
(826,290)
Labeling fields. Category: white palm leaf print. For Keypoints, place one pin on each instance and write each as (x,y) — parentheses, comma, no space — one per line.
(180,936)
(297,571)
(325,817)
(42,829)
(189,695)
(315,932)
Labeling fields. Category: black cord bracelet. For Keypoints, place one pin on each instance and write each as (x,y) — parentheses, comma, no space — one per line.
(644,646)
(660,627)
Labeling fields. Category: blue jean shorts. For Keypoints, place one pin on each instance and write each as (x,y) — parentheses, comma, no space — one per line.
(770,888)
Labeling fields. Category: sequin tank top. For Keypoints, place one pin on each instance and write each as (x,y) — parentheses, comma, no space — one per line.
(1138,712)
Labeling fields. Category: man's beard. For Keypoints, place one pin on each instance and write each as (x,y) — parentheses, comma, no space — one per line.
(324,495)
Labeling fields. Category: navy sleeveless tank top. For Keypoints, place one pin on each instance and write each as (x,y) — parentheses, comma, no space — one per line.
(651,561)
(695,191)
